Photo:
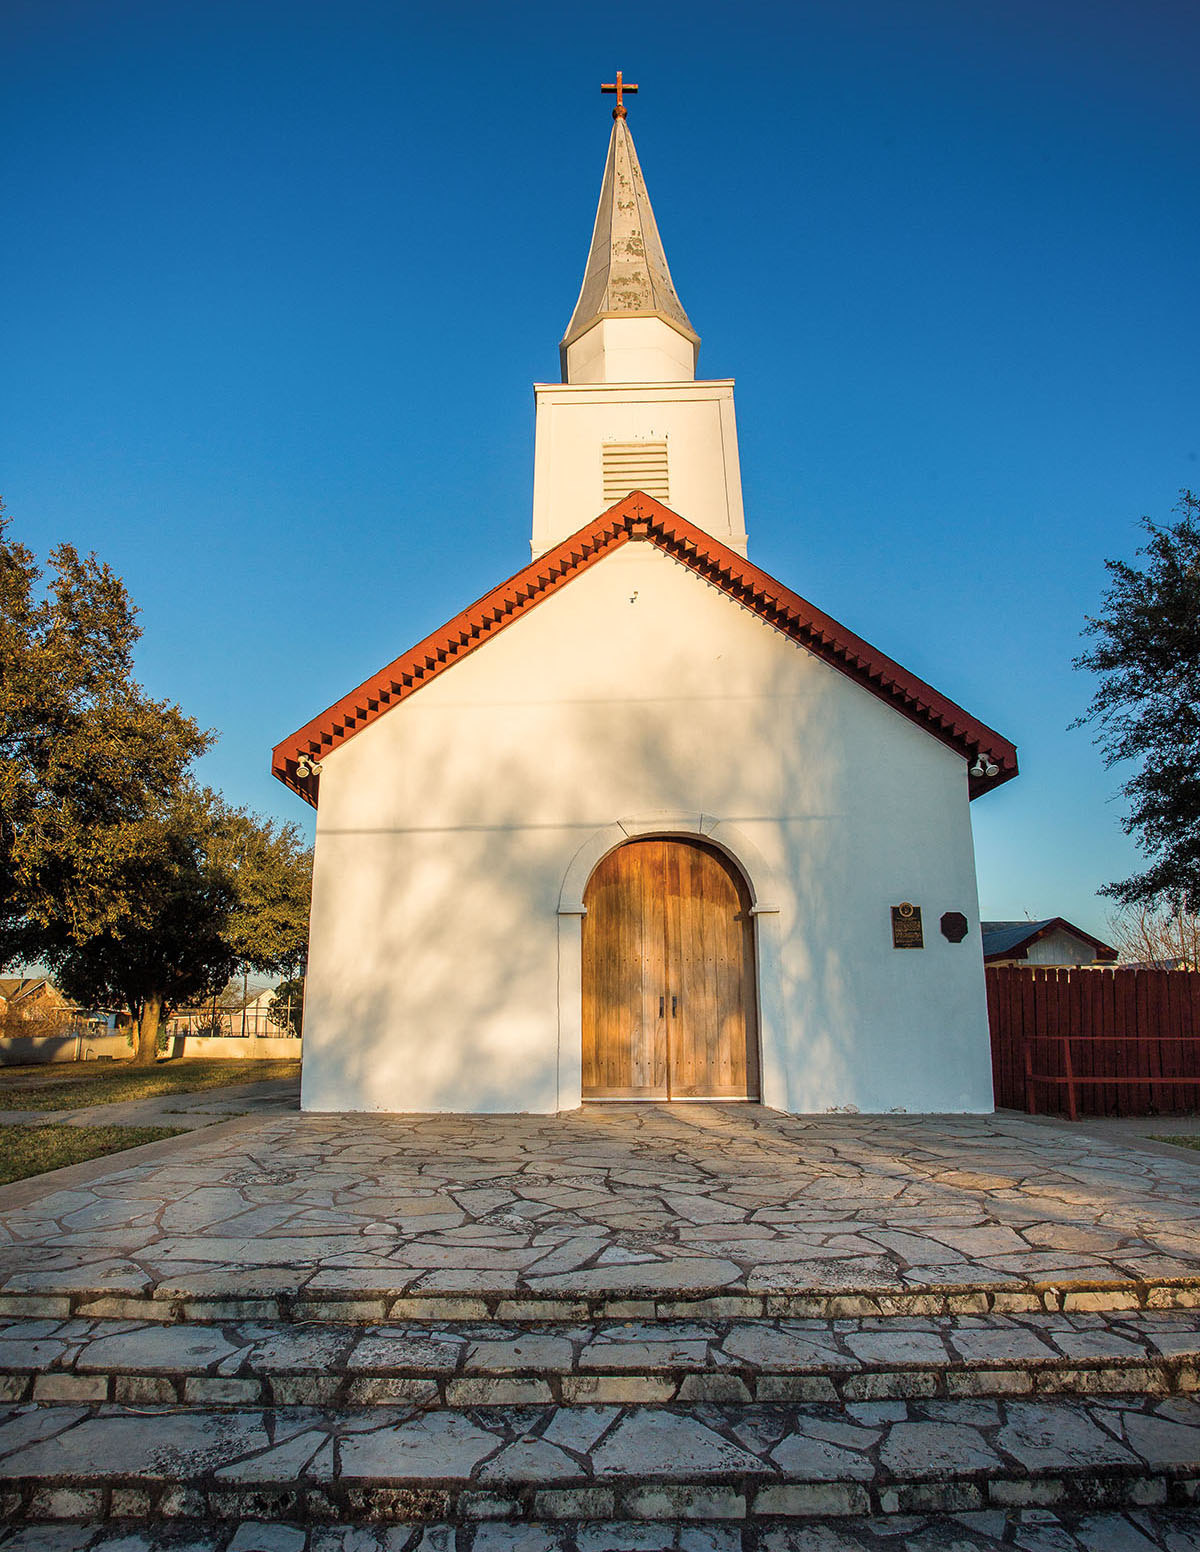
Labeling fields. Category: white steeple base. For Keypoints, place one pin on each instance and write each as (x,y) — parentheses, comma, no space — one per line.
(630,350)
(595,442)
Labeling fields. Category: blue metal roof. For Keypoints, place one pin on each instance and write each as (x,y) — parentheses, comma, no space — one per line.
(999,937)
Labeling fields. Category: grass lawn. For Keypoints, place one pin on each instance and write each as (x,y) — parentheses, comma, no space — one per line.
(1181,1142)
(116,1081)
(32,1150)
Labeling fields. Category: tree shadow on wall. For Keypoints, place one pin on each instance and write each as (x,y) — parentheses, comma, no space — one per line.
(446,991)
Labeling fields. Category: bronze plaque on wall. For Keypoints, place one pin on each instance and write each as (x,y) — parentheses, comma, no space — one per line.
(906,926)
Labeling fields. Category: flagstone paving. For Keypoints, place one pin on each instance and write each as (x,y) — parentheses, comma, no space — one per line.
(606,1206)
(1032,1530)
(498,1363)
(636,1463)
(634,1329)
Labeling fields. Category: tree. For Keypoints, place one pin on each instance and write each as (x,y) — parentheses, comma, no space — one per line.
(267,926)
(84,752)
(132,882)
(1147,707)
(184,892)
(1165,937)
(169,903)
(287,1006)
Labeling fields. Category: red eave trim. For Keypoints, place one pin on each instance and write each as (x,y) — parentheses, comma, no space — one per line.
(638,516)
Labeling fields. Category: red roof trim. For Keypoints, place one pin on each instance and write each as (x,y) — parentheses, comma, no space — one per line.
(639,516)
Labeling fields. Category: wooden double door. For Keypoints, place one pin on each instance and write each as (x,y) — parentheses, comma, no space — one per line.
(669,994)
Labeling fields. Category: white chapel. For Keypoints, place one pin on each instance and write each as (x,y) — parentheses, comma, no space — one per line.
(642,823)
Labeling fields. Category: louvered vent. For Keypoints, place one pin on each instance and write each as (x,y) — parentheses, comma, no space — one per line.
(635,466)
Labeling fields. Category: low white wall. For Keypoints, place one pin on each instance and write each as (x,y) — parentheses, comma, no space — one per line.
(20,1050)
(16,1050)
(226,1048)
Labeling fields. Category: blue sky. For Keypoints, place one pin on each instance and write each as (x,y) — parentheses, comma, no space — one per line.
(277,278)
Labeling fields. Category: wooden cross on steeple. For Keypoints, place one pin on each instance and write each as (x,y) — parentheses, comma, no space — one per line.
(620,87)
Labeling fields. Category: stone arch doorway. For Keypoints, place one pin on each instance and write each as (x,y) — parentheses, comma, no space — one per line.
(669,982)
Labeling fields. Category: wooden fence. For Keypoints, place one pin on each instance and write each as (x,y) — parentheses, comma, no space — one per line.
(1095,1042)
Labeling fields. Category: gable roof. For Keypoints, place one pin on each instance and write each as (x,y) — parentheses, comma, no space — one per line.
(639,517)
(14,986)
(1013,940)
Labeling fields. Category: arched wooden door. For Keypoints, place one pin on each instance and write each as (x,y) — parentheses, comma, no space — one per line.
(669,1006)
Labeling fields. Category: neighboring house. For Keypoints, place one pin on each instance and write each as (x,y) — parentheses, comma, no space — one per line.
(257,1013)
(249,1002)
(258,1001)
(230,1015)
(1050,942)
(32,996)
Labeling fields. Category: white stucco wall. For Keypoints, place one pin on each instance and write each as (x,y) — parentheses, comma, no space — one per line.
(696,420)
(439,978)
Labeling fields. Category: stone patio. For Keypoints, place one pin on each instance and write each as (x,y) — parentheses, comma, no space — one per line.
(626,1329)
(632,1464)
(1030,1530)
(626,1210)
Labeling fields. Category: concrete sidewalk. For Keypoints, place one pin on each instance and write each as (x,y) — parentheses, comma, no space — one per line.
(1143,1133)
(274,1096)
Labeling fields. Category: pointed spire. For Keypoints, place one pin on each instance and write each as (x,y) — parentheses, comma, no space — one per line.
(627,274)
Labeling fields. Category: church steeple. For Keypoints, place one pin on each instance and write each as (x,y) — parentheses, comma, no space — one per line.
(629,413)
(629,324)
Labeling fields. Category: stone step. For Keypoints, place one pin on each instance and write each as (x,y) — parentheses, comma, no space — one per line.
(241,1363)
(340,1298)
(1039,1530)
(641,1463)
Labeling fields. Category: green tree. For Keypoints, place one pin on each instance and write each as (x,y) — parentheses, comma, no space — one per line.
(132,882)
(267,926)
(1147,707)
(84,752)
(287,1005)
(169,904)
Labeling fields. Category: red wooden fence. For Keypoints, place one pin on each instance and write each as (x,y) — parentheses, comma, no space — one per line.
(1095,1042)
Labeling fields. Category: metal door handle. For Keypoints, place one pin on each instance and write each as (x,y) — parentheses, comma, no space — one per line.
(674,1001)
(661,1003)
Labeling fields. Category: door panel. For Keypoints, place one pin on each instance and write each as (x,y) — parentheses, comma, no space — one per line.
(712,1044)
(669,1005)
(624,976)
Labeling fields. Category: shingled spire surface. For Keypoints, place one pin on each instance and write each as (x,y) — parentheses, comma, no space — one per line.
(627,274)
